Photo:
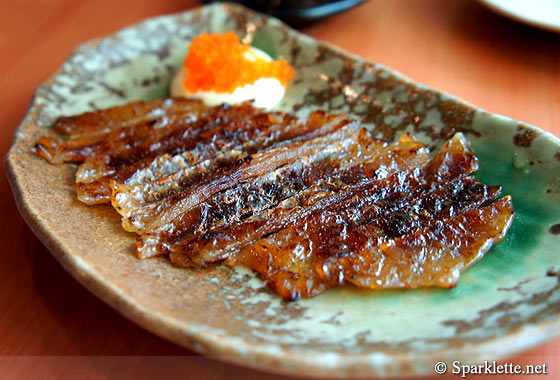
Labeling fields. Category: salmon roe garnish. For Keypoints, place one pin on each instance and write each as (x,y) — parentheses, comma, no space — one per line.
(217,62)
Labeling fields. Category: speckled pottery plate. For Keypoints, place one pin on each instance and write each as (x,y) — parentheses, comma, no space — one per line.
(507,302)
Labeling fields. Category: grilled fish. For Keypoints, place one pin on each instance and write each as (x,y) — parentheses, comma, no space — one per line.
(307,203)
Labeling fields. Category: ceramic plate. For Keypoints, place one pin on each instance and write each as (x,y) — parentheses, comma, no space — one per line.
(507,302)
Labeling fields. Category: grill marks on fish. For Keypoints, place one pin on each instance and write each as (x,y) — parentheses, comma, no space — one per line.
(349,182)
(86,134)
(179,128)
(160,216)
(136,194)
(434,255)
(263,191)
(303,251)
(267,179)
(308,204)
(319,242)
(96,123)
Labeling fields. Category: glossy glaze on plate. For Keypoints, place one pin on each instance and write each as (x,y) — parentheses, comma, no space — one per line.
(507,302)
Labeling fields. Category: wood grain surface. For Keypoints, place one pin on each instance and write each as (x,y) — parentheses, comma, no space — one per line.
(52,328)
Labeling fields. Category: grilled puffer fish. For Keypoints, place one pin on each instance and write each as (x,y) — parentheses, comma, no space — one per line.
(357,156)
(331,190)
(308,203)
(183,129)
(435,219)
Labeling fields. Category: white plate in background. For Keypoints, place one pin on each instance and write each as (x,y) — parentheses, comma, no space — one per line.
(543,14)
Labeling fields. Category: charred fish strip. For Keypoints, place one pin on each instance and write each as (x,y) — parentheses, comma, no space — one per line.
(307,203)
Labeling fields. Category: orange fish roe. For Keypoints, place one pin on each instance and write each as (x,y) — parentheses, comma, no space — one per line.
(217,62)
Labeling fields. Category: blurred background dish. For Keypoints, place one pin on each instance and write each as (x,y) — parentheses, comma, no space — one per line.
(543,14)
(298,12)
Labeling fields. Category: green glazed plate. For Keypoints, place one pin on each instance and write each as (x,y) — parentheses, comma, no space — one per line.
(508,302)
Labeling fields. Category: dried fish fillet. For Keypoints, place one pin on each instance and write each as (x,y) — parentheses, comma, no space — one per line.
(309,248)
(307,203)
(354,155)
(85,132)
(353,181)
(435,254)
(135,197)
(166,214)
(183,129)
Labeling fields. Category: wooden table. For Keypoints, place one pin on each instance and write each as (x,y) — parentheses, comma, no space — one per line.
(50,325)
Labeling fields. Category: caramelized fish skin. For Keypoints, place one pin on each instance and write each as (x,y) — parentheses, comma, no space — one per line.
(103,121)
(85,132)
(220,130)
(307,203)
(322,247)
(164,215)
(117,143)
(351,182)
(431,256)
(284,173)
(455,243)
(454,157)
(332,234)
(135,198)
(358,158)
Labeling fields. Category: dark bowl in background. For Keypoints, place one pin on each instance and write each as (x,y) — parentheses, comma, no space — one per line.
(297,12)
